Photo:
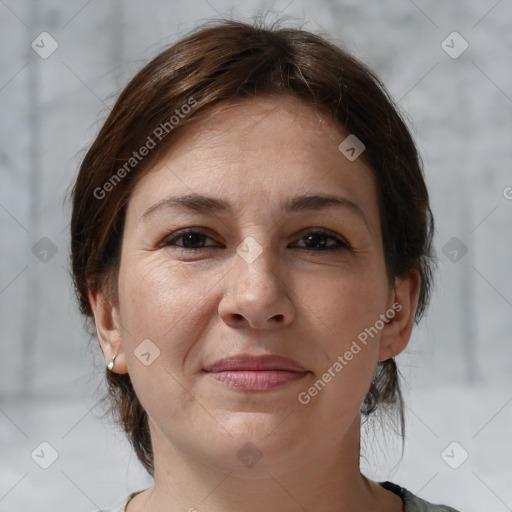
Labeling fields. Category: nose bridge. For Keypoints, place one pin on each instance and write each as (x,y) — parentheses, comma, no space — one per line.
(256,291)
(257,266)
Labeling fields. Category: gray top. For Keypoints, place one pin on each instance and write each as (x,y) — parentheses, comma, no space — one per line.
(411,502)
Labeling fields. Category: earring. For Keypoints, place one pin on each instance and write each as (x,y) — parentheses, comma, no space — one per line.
(110,366)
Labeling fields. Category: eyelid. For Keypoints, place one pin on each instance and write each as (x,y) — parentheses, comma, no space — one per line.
(186,231)
(341,241)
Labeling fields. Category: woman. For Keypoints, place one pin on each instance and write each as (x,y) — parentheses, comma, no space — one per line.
(251,236)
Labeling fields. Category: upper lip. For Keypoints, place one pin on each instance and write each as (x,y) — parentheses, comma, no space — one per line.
(254,363)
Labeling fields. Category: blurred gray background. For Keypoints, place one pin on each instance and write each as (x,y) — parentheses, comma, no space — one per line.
(56,88)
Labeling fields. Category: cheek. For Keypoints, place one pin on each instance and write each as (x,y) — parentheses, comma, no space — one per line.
(159,303)
(344,304)
(348,308)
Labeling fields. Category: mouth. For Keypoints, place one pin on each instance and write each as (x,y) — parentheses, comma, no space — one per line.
(246,372)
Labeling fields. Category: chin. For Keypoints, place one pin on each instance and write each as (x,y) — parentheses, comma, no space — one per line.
(268,437)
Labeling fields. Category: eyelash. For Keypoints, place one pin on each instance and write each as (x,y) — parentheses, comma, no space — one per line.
(341,243)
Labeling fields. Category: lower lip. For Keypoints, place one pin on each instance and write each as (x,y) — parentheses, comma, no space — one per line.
(260,380)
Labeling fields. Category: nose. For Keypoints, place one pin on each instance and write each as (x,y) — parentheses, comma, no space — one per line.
(256,293)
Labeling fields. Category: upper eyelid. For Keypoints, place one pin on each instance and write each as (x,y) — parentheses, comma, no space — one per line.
(201,231)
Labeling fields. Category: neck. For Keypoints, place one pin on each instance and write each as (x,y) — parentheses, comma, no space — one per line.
(325,478)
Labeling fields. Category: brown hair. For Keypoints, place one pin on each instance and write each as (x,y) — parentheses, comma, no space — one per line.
(222,62)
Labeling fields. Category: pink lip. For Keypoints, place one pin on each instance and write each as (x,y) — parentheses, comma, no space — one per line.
(256,373)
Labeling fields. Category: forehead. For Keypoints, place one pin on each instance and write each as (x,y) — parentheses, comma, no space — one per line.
(255,124)
(254,149)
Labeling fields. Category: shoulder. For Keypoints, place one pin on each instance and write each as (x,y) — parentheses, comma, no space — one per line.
(119,505)
(413,503)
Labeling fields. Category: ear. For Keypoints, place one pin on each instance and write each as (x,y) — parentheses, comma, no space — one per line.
(397,331)
(108,328)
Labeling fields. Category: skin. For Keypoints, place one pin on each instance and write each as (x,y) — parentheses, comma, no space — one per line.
(198,307)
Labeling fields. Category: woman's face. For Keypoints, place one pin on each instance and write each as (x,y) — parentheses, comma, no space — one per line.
(269,273)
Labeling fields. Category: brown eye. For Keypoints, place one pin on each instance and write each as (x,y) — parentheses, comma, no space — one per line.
(190,240)
(322,241)
(315,241)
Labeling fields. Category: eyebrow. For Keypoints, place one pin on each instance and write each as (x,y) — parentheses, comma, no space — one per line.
(302,203)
